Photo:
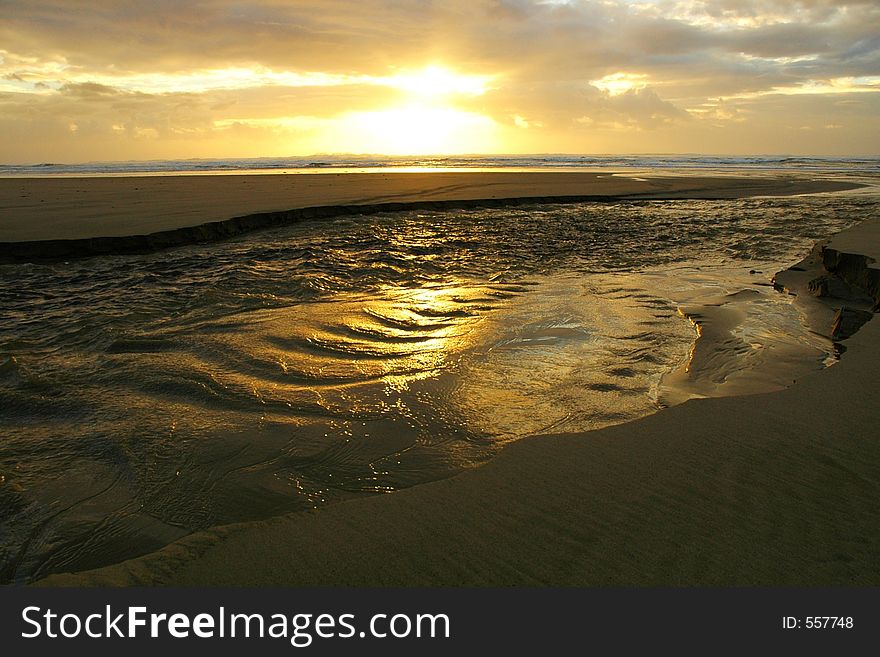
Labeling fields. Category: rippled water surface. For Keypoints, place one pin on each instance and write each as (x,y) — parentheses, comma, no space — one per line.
(145,397)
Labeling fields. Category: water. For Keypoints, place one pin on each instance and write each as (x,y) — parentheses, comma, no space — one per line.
(146,397)
(317,163)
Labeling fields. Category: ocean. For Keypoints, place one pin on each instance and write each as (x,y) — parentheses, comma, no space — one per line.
(317,163)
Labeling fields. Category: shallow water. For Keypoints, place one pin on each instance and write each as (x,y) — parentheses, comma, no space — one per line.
(145,397)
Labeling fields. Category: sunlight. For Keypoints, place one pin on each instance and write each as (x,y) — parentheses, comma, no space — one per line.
(418,129)
(619,83)
(438,81)
(842,85)
(32,74)
(428,124)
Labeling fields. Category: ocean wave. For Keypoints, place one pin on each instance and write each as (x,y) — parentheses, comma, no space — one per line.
(322,162)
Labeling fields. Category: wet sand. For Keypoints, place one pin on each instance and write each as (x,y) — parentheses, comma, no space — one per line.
(72,217)
(776,488)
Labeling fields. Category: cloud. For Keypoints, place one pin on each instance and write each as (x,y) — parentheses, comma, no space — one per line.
(172,72)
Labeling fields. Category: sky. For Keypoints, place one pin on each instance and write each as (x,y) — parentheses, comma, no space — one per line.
(91,80)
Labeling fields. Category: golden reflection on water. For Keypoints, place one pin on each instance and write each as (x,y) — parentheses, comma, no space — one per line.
(419,332)
(496,359)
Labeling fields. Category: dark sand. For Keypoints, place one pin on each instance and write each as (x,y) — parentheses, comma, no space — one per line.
(72,217)
(778,488)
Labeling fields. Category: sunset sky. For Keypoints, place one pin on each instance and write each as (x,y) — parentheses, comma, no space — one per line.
(102,80)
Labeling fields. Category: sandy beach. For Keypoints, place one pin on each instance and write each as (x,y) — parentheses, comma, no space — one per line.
(775,488)
(73,217)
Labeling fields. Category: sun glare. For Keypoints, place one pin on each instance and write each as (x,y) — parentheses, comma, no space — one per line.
(438,81)
(427,122)
(419,129)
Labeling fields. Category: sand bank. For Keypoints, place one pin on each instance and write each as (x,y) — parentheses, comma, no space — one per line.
(770,489)
(52,218)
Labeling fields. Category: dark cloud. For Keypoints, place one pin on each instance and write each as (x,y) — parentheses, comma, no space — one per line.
(537,39)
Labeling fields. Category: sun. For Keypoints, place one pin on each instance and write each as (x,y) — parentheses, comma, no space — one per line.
(420,129)
(436,80)
(429,120)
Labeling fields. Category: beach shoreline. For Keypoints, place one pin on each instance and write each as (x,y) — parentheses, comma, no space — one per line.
(65,218)
(773,488)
